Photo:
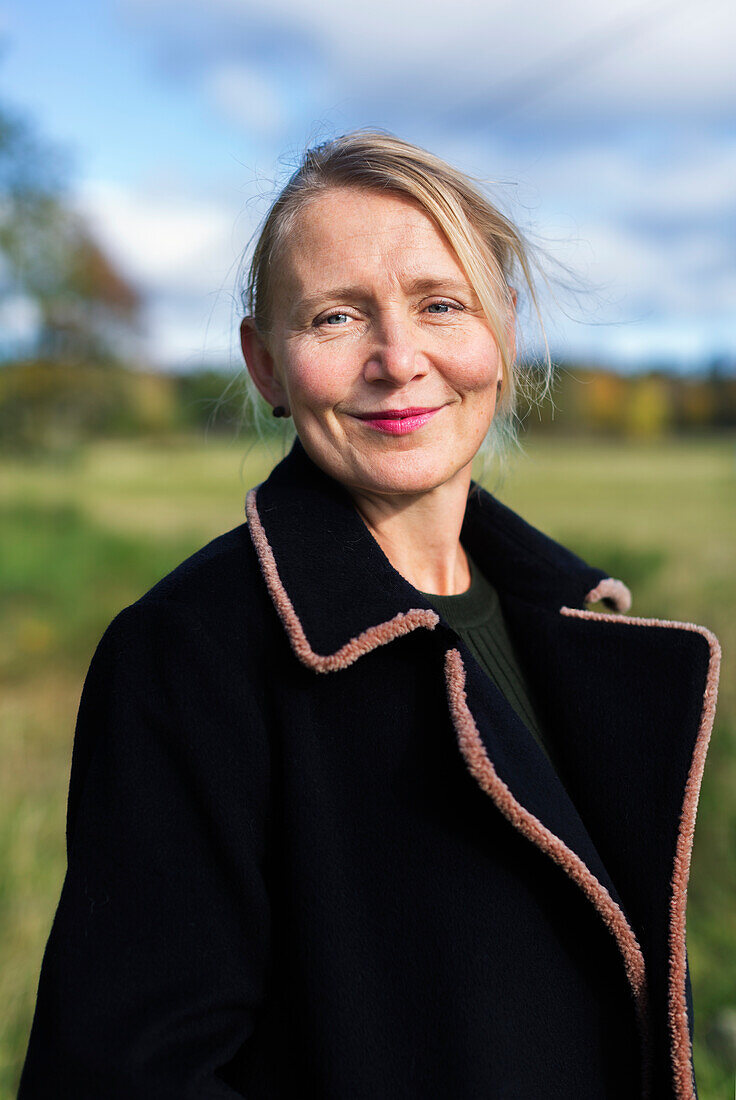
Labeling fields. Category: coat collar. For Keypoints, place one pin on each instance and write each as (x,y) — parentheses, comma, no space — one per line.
(338,595)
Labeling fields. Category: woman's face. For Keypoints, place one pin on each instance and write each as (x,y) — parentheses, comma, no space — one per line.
(378,347)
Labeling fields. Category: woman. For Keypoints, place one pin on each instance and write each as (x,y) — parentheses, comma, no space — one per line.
(365,800)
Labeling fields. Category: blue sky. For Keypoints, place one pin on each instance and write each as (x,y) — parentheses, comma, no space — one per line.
(607,132)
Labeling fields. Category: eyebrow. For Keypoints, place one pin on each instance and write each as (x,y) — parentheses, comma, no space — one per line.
(425,283)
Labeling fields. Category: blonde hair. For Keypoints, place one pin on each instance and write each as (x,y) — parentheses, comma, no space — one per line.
(490,248)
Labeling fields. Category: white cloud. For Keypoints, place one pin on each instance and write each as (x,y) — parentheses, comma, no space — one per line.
(193,334)
(246,97)
(184,253)
(164,242)
(679,60)
(684,180)
(570,59)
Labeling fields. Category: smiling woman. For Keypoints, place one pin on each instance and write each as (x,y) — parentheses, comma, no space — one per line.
(380,339)
(473,254)
(366,799)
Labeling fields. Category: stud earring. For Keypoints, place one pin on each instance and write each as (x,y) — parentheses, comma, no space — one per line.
(279,410)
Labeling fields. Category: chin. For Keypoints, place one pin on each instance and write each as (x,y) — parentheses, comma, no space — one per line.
(390,475)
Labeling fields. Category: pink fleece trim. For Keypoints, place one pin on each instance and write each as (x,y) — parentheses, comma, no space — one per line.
(613,591)
(531,827)
(681,1049)
(402,623)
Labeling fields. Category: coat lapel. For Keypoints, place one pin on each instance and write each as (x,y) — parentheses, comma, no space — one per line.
(335,591)
(633,739)
(629,703)
(510,767)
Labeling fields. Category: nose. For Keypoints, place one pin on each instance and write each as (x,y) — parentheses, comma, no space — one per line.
(395,355)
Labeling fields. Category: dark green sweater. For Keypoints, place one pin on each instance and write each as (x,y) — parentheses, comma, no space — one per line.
(477,617)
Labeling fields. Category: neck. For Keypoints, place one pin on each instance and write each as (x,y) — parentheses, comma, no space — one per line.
(420,534)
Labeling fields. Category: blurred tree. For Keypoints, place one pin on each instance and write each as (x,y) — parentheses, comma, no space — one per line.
(85,307)
(649,408)
(697,402)
(212,399)
(603,402)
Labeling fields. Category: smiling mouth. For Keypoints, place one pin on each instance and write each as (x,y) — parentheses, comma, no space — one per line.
(396,414)
(398,421)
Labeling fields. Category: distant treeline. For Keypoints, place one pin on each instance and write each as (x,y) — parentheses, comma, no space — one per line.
(49,406)
(593,399)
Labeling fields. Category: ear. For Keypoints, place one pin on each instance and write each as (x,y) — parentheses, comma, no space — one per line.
(260,363)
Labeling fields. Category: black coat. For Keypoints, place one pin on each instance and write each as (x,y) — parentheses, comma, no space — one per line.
(314,852)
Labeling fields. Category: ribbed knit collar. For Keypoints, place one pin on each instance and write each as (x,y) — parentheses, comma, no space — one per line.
(477,605)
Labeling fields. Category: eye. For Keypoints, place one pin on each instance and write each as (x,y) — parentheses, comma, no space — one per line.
(443,307)
(331,318)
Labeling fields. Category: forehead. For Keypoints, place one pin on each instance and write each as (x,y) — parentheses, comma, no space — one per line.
(347,231)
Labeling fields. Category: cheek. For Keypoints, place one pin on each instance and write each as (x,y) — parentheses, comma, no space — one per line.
(478,369)
(317,380)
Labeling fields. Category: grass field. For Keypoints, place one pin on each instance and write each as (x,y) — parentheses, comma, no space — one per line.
(83,538)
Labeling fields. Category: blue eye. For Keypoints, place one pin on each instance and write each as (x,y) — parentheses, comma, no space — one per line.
(445,307)
(330,317)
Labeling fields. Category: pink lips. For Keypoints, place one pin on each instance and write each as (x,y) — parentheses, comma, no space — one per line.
(399,421)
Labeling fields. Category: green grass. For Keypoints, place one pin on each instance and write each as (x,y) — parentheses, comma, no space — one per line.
(84,538)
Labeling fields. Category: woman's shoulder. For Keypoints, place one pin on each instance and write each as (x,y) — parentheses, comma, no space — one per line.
(181,673)
(218,590)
